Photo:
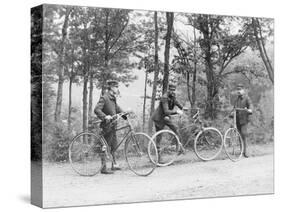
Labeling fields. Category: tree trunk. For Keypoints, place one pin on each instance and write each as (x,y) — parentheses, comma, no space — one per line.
(61,67)
(144,102)
(85,95)
(212,88)
(170,20)
(188,87)
(193,98)
(69,102)
(106,74)
(212,91)
(156,73)
(262,50)
(91,97)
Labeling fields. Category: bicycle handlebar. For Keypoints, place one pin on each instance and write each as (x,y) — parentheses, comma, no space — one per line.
(195,116)
(240,109)
(114,117)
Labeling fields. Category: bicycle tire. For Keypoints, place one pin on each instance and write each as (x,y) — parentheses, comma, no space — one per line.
(208,144)
(84,153)
(137,154)
(168,150)
(231,142)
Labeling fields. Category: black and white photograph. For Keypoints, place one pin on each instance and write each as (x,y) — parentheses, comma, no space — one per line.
(131,105)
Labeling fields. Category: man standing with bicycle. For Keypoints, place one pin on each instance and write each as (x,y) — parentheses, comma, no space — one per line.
(161,115)
(242,118)
(105,109)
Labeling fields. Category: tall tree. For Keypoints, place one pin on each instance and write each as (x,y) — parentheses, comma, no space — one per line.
(170,21)
(117,41)
(261,46)
(71,79)
(91,88)
(219,46)
(61,64)
(144,101)
(156,71)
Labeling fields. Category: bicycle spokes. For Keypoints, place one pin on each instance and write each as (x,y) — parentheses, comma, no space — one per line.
(233,144)
(85,154)
(137,150)
(208,144)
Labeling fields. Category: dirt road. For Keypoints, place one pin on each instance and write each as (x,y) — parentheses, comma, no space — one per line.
(62,187)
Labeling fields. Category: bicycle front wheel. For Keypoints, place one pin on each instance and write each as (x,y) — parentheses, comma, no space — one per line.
(168,146)
(137,154)
(84,154)
(233,144)
(208,143)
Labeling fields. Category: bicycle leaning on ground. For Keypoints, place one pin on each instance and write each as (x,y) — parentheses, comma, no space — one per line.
(86,148)
(208,141)
(233,143)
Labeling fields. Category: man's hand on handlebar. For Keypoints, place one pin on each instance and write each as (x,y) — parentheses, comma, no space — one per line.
(180,112)
(249,111)
(108,117)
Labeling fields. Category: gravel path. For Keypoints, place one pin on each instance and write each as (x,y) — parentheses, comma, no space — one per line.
(254,175)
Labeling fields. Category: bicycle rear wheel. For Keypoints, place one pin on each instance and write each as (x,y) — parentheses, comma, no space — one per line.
(137,154)
(233,144)
(84,153)
(208,143)
(168,146)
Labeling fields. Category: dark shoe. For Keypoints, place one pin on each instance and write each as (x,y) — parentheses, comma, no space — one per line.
(246,155)
(106,171)
(181,150)
(160,160)
(115,167)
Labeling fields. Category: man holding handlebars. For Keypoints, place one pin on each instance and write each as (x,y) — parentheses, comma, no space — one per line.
(161,115)
(242,118)
(105,109)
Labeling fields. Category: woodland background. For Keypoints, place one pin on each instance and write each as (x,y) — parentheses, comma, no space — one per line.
(206,55)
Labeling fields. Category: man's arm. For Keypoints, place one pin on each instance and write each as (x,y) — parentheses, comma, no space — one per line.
(249,105)
(99,108)
(178,104)
(118,109)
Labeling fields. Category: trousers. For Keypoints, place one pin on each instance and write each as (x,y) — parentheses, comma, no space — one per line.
(243,130)
(159,125)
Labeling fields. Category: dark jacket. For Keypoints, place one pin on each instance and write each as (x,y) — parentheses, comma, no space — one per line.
(243,116)
(107,106)
(165,107)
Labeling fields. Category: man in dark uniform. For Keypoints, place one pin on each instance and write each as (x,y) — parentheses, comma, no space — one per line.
(105,109)
(242,118)
(161,115)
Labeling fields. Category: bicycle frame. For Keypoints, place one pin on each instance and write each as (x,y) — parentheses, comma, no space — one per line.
(197,122)
(130,132)
(235,115)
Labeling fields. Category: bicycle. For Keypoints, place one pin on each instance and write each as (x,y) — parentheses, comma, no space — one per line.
(86,148)
(233,142)
(208,141)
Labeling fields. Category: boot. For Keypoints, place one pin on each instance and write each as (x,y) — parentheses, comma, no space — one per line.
(114,165)
(245,152)
(160,160)
(104,170)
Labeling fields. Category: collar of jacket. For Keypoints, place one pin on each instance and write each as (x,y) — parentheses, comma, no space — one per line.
(241,97)
(111,96)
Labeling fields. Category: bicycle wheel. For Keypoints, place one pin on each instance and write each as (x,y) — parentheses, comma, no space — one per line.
(84,153)
(168,146)
(233,144)
(208,143)
(137,154)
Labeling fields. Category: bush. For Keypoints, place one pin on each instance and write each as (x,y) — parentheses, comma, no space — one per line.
(57,143)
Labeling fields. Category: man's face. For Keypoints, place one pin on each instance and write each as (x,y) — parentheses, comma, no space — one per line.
(114,90)
(172,92)
(240,91)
